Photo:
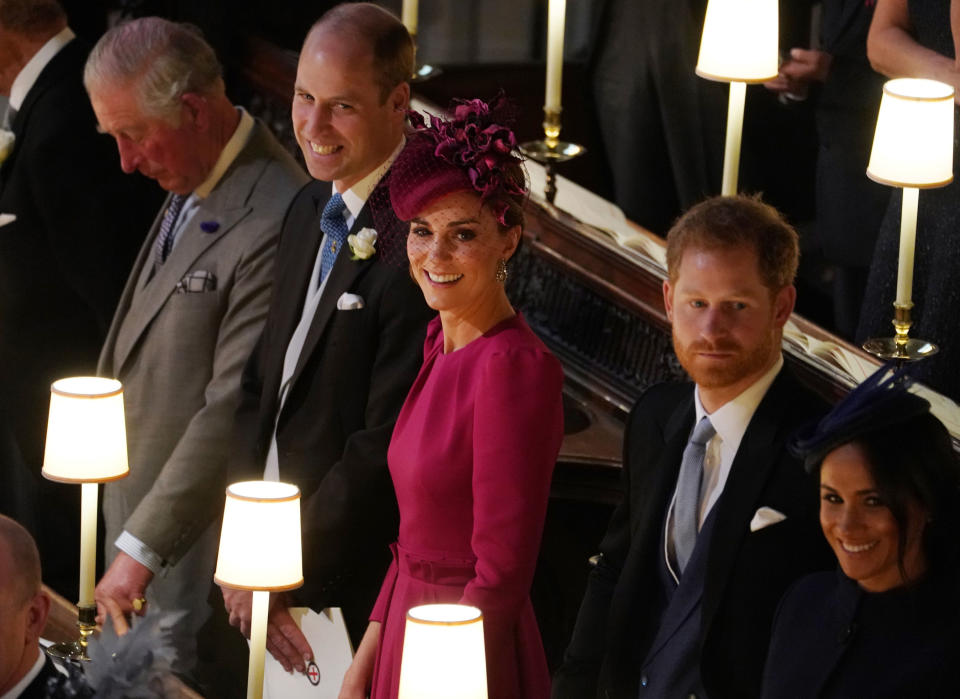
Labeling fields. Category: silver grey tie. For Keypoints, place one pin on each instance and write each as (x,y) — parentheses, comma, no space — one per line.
(686,507)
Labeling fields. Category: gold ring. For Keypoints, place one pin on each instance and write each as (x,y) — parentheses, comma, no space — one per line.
(138,603)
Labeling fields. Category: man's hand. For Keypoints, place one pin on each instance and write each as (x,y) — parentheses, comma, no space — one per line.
(125,581)
(799,71)
(285,641)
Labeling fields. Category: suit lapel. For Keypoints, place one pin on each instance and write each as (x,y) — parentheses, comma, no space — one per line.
(758,455)
(344,273)
(226,206)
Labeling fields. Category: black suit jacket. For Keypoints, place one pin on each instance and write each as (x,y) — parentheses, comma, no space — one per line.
(37,689)
(63,263)
(747,572)
(332,434)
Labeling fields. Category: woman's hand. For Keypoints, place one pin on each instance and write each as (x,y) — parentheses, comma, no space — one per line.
(356,681)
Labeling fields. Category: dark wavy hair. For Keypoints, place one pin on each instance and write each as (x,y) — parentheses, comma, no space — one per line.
(915,461)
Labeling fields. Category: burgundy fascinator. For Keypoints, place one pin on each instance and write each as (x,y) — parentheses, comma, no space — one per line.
(473,151)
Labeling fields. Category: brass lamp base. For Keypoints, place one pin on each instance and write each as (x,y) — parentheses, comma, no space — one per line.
(901,347)
(77,650)
(888,348)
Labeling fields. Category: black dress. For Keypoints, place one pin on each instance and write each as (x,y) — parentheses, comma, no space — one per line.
(936,280)
(831,639)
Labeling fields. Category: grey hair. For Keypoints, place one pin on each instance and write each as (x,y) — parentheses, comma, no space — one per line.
(163,59)
(24,557)
(32,17)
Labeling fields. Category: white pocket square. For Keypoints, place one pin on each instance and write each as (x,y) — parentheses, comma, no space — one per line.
(764,517)
(7,218)
(349,302)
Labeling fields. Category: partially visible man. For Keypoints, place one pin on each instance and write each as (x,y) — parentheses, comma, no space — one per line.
(24,668)
(344,337)
(192,308)
(70,227)
(717,518)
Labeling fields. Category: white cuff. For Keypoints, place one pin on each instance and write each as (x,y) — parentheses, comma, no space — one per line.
(139,551)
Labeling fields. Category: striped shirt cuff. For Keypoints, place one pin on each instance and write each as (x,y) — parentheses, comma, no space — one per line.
(139,551)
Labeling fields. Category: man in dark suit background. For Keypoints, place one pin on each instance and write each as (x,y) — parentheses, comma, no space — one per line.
(72,223)
(849,205)
(24,606)
(704,543)
(344,335)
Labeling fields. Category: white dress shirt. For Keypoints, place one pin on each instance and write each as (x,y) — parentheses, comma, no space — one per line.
(730,421)
(31,71)
(355,199)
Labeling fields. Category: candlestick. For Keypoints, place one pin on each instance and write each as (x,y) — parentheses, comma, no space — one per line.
(258,643)
(731,151)
(88,542)
(409,16)
(555,28)
(908,235)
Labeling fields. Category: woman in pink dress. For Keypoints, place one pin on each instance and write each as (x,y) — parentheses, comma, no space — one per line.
(474,446)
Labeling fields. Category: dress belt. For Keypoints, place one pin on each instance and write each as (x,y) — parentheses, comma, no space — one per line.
(439,571)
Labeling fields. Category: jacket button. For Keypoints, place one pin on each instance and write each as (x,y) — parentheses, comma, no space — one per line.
(644,680)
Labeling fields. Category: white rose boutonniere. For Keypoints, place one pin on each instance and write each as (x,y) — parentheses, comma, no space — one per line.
(363,244)
(6,143)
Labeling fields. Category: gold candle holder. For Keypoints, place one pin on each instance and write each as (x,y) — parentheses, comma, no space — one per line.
(76,650)
(901,347)
(550,150)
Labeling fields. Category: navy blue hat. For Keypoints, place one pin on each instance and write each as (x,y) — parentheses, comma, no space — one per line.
(881,402)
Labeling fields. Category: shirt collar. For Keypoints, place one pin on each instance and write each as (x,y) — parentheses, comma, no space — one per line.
(31,71)
(731,419)
(237,143)
(357,195)
(25,681)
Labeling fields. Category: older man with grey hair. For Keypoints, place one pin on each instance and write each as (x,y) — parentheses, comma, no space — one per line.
(192,309)
(24,669)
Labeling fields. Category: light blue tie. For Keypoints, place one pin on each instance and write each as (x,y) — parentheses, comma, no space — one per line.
(686,507)
(334,226)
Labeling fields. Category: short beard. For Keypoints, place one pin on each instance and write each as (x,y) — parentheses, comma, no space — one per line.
(746,362)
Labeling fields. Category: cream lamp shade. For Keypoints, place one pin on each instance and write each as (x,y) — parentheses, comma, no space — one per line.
(913,142)
(740,41)
(86,433)
(443,653)
(260,539)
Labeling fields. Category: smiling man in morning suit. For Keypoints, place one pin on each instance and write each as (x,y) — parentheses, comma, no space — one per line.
(717,518)
(344,336)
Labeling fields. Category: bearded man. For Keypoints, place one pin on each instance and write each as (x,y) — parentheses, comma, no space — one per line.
(717,518)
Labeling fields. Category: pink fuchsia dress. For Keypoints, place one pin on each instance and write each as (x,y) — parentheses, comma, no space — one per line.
(471,458)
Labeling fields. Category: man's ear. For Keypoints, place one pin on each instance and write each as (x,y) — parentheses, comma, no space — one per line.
(783,304)
(37,615)
(668,299)
(399,99)
(195,109)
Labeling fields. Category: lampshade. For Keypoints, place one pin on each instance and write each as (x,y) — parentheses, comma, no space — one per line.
(740,41)
(260,538)
(913,142)
(86,433)
(443,653)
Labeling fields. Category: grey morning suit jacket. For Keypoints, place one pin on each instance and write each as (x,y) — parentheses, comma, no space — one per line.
(179,356)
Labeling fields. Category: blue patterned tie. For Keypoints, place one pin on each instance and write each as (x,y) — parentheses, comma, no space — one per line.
(165,236)
(334,226)
(686,506)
